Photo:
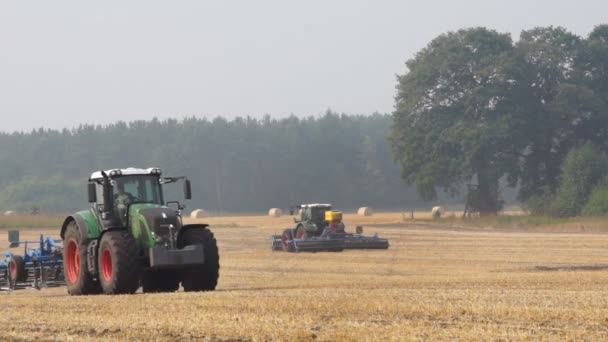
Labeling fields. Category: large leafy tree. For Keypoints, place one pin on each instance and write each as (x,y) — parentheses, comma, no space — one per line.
(553,103)
(455,122)
(593,72)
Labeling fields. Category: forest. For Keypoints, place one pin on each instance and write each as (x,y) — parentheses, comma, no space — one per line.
(241,165)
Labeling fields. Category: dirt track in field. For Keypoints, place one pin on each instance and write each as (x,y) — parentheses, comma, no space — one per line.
(434,283)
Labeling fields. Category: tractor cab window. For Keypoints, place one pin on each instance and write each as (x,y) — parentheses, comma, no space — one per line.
(137,189)
(318,215)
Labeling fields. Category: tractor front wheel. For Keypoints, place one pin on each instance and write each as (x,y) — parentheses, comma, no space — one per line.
(17,271)
(118,263)
(201,277)
(77,277)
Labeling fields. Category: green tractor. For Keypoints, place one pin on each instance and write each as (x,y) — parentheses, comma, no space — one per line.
(131,237)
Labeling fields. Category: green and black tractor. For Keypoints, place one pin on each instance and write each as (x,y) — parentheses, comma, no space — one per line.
(131,237)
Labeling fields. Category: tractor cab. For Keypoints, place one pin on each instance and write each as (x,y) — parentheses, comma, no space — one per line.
(314,219)
(115,191)
(314,213)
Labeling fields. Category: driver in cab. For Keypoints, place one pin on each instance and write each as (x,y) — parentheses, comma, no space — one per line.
(122,199)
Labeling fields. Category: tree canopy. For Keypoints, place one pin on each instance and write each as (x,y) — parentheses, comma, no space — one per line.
(475,108)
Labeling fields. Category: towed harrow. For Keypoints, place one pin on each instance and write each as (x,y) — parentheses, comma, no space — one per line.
(331,243)
(38,267)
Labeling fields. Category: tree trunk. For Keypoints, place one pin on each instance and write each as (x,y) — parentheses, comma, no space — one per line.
(487,193)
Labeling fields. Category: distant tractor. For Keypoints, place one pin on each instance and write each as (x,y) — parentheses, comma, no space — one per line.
(320,228)
(131,237)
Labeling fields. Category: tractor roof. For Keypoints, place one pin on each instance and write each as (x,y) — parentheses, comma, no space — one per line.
(130,171)
(314,205)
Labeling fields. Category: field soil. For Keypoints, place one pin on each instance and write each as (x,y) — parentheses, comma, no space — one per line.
(437,281)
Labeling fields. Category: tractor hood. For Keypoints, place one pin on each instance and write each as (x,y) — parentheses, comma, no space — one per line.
(149,223)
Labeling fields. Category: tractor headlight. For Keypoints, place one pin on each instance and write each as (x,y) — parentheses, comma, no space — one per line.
(156,171)
(115,173)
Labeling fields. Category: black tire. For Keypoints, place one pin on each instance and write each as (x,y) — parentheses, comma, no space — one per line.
(160,281)
(285,237)
(77,277)
(201,277)
(118,260)
(17,271)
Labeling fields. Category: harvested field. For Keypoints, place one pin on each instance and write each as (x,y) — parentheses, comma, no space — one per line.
(440,280)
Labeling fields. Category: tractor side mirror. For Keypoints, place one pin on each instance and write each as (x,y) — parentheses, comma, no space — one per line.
(92,193)
(187,189)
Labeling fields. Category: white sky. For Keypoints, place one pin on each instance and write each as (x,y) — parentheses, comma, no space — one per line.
(63,63)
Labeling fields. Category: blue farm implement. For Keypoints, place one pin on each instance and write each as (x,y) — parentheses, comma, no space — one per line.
(39,266)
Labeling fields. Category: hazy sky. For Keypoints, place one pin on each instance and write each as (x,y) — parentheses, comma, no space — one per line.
(63,63)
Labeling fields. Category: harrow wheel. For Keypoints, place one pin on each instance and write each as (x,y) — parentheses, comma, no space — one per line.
(118,262)
(77,277)
(16,270)
(201,277)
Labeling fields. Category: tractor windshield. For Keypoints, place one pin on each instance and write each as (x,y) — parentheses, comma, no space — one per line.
(138,189)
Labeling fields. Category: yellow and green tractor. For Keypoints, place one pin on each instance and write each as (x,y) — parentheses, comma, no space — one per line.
(319,228)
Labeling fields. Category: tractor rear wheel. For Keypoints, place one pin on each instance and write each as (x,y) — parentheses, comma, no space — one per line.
(160,281)
(17,271)
(118,262)
(201,277)
(286,237)
(77,277)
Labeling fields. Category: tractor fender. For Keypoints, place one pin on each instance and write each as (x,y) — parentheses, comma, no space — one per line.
(193,226)
(86,223)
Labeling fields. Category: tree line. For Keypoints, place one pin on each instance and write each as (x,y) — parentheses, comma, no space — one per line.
(240,165)
(475,108)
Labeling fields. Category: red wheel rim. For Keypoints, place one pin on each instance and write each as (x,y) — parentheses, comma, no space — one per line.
(72,261)
(106,265)
(13,269)
(300,234)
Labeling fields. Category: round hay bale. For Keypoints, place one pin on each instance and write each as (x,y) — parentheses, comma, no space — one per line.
(437,212)
(275,212)
(365,211)
(10,213)
(199,213)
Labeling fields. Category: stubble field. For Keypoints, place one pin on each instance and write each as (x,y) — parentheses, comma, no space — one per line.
(438,281)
